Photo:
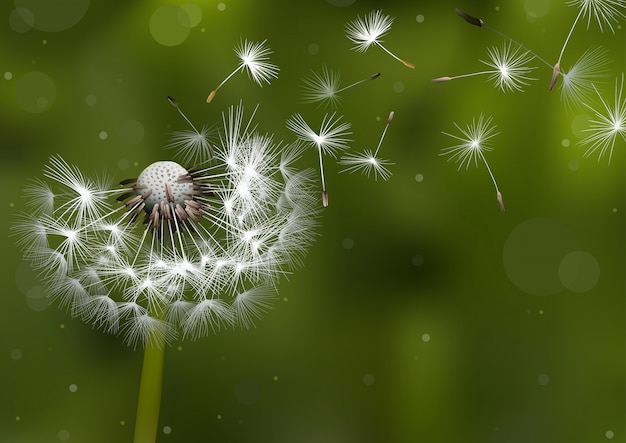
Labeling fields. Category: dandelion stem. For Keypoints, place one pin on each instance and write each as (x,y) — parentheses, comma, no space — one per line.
(150,389)
(405,63)
(371,77)
(319,150)
(569,35)
(382,137)
(493,179)
(175,104)
(213,92)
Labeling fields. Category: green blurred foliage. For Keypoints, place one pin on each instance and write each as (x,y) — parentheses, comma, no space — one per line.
(403,324)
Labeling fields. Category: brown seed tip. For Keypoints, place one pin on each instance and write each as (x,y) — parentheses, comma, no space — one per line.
(500,202)
(469,19)
(441,79)
(391,114)
(172,101)
(375,76)
(325,199)
(407,64)
(555,75)
(209,99)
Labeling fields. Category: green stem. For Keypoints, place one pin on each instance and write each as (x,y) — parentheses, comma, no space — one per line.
(149,401)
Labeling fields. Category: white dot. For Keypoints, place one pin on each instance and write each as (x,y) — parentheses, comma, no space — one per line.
(167,430)
(368,379)
(543,379)
(419,178)
(573,165)
(16,354)
(8,75)
(103,135)
(417,260)
(609,434)
(221,6)
(347,243)
(565,142)
(91,100)
(63,435)
(73,387)
(425,338)
(419,18)
(398,87)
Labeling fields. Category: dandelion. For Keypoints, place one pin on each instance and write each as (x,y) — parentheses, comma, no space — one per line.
(607,125)
(324,88)
(175,252)
(368,162)
(473,142)
(606,12)
(330,139)
(509,71)
(367,31)
(192,146)
(253,59)
(578,83)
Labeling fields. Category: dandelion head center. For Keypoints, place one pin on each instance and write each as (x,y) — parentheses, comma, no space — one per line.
(160,183)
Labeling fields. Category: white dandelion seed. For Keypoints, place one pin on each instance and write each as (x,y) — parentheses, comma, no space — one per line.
(331,139)
(367,31)
(474,140)
(607,125)
(606,12)
(324,88)
(509,68)
(578,82)
(368,162)
(253,58)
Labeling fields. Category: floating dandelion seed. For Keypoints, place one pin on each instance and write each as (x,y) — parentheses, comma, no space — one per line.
(368,162)
(325,87)
(608,124)
(578,83)
(367,31)
(474,140)
(254,59)
(191,145)
(604,11)
(509,72)
(330,139)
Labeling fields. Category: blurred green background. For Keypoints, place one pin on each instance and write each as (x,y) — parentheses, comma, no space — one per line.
(422,313)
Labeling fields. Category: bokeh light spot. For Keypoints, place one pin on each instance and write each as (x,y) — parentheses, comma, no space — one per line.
(565,142)
(131,132)
(8,75)
(170,25)
(21,20)
(36,299)
(91,100)
(194,12)
(543,379)
(368,379)
(347,243)
(35,92)
(573,165)
(425,338)
(417,260)
(609,434)
(167,430)
(63,435)
(579,271)
(103,135)
(532,254)
(73,387)
(419,18)
(221,6)
(398,87)
(313,49)
(52,16)
(419,178)
(536,8)
(16,354)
